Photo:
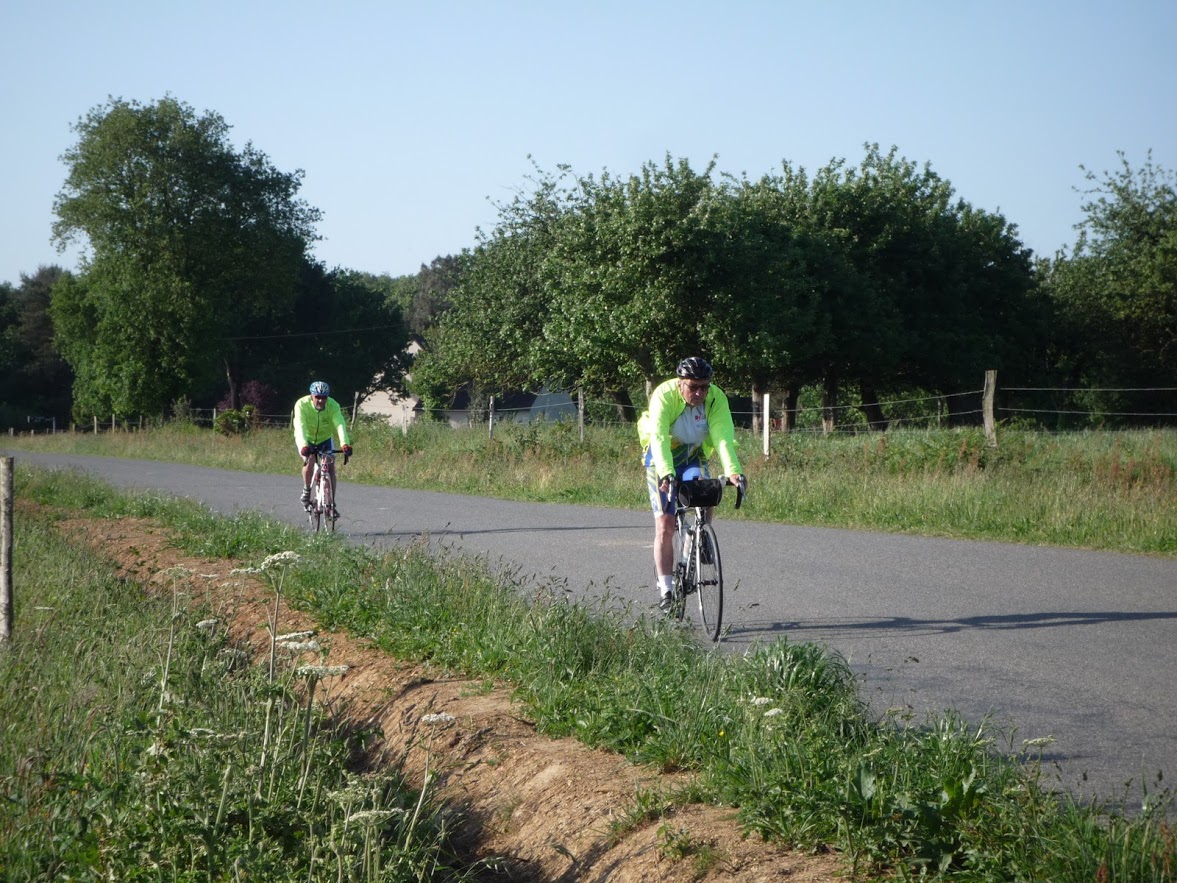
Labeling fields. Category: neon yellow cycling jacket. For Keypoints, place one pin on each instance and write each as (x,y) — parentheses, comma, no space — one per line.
(313,427)
(666,405)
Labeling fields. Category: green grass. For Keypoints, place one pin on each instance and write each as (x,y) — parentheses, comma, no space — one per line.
(1100,490)
(779,733)
(135,742)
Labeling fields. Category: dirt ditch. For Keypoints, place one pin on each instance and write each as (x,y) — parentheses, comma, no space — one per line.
(543,805)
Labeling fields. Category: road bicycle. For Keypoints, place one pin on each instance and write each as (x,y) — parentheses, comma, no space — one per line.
(321,511)
(697,567)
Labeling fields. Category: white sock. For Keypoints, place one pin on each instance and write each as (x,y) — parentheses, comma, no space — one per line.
(665,584)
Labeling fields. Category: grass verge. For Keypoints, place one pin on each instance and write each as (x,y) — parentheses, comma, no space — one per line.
(779,733)
(1115,491)
(137,743)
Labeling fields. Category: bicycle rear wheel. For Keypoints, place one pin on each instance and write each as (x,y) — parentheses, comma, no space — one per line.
(709,581)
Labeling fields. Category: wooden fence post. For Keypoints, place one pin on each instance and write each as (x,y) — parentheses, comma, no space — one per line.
(987,397)
(767,421)
(6,605)
(580,412)
(490,417)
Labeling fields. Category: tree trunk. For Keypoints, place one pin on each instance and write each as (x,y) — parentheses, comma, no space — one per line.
(829,401)
(757,406)
(234,387)
(624,405)
(789,410)
(871,408)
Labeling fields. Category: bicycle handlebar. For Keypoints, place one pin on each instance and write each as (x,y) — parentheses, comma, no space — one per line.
(741,489)
(330,454)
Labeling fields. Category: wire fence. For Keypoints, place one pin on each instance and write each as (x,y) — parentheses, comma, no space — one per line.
(1044,408)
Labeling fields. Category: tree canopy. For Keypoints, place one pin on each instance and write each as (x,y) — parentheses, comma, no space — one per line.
(36,378)
(1114,295)
(191,245)
(874,274)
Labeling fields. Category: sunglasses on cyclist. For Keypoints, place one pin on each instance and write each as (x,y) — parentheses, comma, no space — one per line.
(698,387)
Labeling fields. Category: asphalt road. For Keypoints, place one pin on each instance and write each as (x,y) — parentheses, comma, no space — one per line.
(1077,645)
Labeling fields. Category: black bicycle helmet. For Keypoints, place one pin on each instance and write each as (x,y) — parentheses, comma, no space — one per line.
(694,368)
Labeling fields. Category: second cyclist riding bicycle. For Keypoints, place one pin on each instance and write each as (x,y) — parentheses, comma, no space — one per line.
(318,420)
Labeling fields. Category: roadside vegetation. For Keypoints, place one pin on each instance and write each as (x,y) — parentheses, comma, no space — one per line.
(780,732)
(138,744)
(1100,490)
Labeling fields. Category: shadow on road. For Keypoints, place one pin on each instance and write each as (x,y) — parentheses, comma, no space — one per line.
(904,624)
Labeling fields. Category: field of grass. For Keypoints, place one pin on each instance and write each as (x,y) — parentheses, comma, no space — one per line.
(779,733)
(1100,490)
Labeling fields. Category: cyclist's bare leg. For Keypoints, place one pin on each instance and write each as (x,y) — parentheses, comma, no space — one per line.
(308,470)
(663,544)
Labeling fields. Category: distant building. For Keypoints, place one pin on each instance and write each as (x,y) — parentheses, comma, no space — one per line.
(516,407)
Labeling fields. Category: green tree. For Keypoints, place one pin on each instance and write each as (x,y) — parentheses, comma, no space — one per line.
(490,339)
(1115,295)
(423,296)
(37,380)
(920,290)
(191,245)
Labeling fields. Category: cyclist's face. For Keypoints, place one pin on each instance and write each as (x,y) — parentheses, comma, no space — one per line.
(694,392)
(319,402)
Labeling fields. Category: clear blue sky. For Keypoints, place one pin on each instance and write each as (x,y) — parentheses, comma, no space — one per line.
(410,118)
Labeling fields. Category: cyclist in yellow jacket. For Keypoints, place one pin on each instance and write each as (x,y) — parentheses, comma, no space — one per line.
(687,422)
(317,420)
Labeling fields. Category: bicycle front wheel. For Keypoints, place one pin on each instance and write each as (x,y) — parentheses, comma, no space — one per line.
(709,581)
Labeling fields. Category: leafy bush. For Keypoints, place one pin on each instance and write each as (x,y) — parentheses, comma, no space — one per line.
(262,397)
(232,422)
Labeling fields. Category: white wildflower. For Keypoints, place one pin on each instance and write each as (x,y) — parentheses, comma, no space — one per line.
(245,570)
(761,700)
(440,718)
(321,671)
(773,712)
(354,791)
(207,625)
(374,816)
(280,559)
(295,636)
(300,646)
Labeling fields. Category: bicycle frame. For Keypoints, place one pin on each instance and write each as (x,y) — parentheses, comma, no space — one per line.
(697,567)
(321,510)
